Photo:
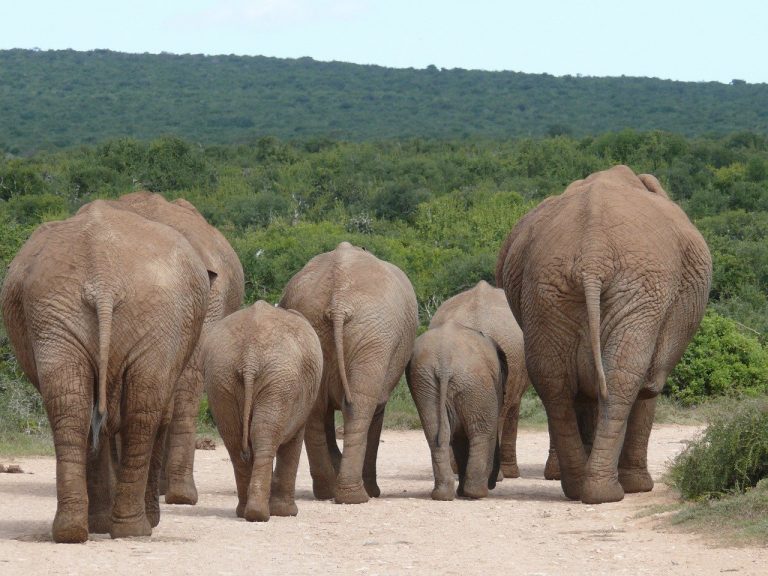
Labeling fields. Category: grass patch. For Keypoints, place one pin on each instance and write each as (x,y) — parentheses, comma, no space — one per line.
(735,518)
(14,444)
(724,474)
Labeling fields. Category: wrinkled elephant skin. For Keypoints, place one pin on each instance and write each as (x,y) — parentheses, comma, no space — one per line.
(262,370)
(485,309)
(365,313)
(103,311)
(457,376)
(609,282)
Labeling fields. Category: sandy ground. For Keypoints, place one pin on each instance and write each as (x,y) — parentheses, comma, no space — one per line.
(525,527)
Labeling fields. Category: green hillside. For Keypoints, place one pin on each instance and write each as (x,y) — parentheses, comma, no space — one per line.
(52,99)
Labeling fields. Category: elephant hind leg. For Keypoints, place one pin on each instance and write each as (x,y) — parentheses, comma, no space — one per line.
(152,492)
(601,482)
(282,496)
(266,434)
(101,486)
(179,482)
(67,394)
(330,438)
(372,451)
(321,466)
(633,462)
(145,396)
(508,423)
(478,473)
(460,446)
(357,421)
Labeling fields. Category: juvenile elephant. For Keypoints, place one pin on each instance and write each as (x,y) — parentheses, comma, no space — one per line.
(103,310)
(226,296)
(262,368)
(457,377)
(609,282)
(364,311)
(485,309)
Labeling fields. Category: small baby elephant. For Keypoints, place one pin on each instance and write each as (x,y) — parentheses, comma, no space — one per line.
(262,369)
(456,376)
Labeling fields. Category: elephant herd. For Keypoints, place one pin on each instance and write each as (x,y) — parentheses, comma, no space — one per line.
(122,314)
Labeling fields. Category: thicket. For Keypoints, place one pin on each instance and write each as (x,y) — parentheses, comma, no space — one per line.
(731,456)
(437,209)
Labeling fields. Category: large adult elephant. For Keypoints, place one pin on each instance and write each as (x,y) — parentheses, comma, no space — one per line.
(226,296)
(485,309)
(103,310)
(364,311)
(609,282)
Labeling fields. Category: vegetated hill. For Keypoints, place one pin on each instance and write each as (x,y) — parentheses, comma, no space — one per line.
(50,99)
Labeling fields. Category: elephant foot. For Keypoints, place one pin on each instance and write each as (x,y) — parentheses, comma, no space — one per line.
(322,490)
(128,529)
(572,487)
(240,510)
(443,493)
(354,494)
(509,470)
(372,488)
(635,480)
(473,490)
(183,492)
(602,491)
(283,507)
(256,513)
(99,523)
(69,528)
(552,467)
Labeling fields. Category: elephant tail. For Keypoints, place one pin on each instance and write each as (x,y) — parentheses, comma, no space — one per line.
(338,318)
(249,375)
(104,316)
(442,380)
(592,289)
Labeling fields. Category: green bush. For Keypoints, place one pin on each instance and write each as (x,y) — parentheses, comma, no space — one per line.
(730,456)
(720,361)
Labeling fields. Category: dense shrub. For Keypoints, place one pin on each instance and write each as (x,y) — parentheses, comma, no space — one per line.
(719,361)
(731,455)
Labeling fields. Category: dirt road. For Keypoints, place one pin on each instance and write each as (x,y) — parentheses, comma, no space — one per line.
(525,527)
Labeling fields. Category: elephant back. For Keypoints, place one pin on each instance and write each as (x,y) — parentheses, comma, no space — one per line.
(228,289)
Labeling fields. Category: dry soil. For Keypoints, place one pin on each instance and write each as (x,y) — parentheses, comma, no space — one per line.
(525,527)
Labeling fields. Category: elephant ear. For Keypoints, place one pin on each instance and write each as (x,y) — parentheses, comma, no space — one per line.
(653,185)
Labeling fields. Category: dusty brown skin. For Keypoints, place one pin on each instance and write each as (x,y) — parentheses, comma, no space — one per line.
(103,310)
(457,377)
(364,311)
(608,282)
(262,369)
(485,309)
(226,296)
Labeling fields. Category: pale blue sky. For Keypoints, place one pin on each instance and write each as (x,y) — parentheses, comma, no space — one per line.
(677,39)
